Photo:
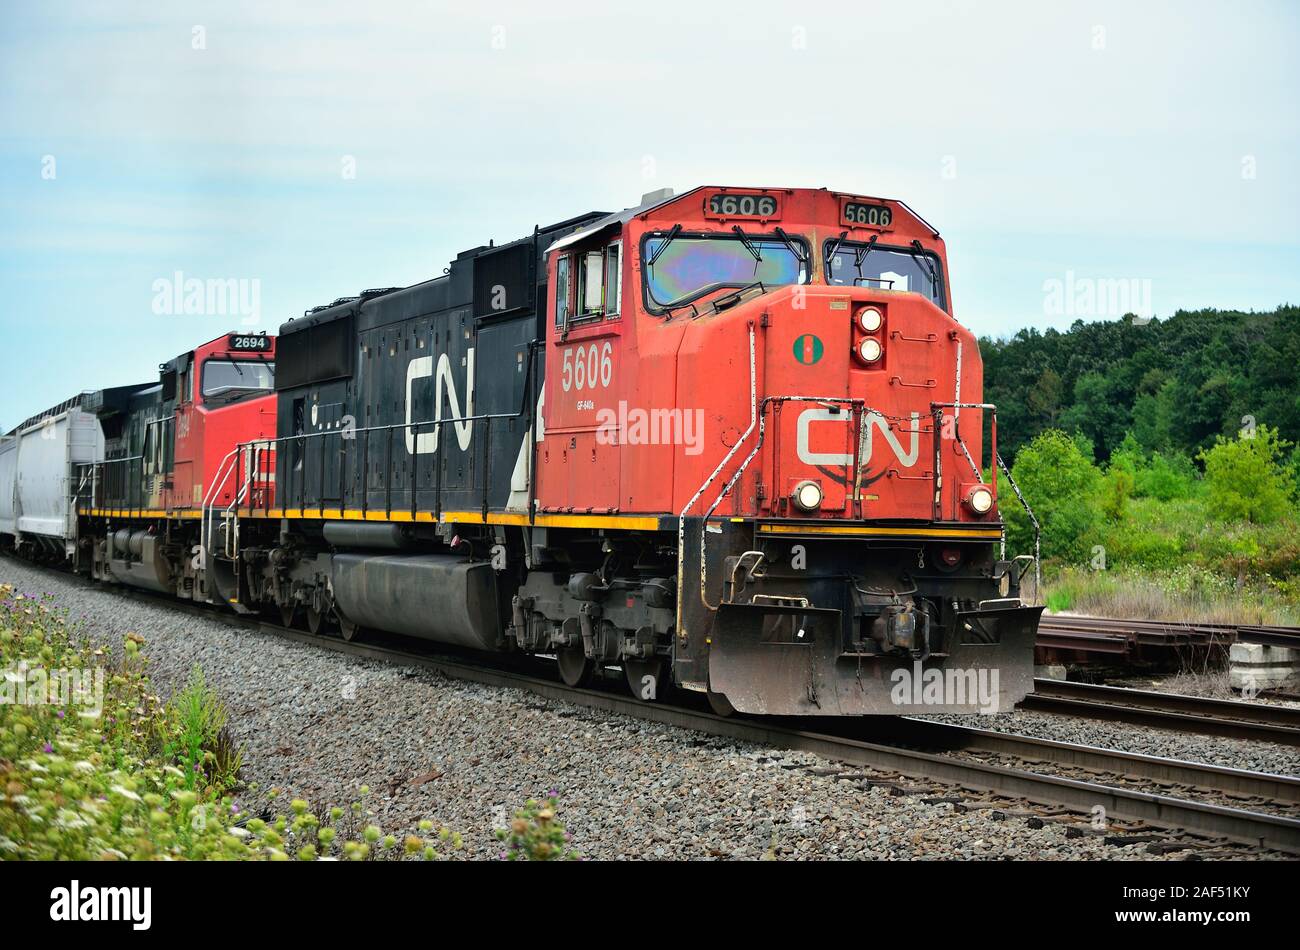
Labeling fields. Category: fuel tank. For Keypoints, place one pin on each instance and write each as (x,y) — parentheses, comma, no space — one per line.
(438,597)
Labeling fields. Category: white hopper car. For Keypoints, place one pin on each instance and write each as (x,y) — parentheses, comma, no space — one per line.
(37,462)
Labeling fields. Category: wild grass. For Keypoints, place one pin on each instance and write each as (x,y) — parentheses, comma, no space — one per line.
(1185,595)
(118,774)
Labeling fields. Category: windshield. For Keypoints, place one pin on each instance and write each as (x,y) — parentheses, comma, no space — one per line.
(681,269)
(225,380)
(866,265)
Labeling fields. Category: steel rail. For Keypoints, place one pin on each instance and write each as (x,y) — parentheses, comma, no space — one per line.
(1153,768)
(1218,717)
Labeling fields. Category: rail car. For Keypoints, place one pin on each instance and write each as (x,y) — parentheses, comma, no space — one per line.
(731,441)
(38,515)
(168,450)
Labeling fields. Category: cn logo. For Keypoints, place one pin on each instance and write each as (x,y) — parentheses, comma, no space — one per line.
(808,349)
(871,421)
(426,440)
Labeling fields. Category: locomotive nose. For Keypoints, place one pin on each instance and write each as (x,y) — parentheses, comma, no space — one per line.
(853,378)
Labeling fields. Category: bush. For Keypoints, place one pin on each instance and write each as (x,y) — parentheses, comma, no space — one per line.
(1117,489)
(1245,478)
(1166,477)
(1134,543)
(535,835)
(1060,482)
(193,735)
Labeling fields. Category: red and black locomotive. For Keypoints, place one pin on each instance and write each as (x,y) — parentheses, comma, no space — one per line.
(732,440)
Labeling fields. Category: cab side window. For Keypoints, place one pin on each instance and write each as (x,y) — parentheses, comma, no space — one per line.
(599,282)
(591,284)
(562,282)
(613,279)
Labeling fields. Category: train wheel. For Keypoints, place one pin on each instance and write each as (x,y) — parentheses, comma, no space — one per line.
(645,678)
(315,620)
(349,629)
(288,613)
(720,705)
(575,668)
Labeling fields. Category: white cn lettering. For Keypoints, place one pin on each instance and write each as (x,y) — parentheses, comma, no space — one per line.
(422,368)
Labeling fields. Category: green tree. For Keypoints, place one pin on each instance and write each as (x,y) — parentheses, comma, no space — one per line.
(1060,482)
(1045,395)
(1155,418)
(1175,383)
(1246,479)
(1101,411)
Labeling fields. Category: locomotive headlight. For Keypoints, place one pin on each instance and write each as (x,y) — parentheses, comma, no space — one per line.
(869,350)
(807,495)
(980,500)
(869,319)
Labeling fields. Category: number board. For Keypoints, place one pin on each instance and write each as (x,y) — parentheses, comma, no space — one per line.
(740,204)
(252,343)
(863,214)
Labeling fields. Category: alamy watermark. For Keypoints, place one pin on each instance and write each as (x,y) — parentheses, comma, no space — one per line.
(1076,296)
(179,295)
(75,903)
(24,685)
(634,426)
(947,686)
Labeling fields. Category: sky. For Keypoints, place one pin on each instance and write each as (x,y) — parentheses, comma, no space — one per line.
(288,154)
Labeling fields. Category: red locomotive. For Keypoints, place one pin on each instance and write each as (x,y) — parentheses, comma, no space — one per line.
(170,454)
(732,441)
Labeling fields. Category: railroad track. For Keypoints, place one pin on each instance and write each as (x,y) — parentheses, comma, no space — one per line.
(1169,804)
(1216,717)
(969,760)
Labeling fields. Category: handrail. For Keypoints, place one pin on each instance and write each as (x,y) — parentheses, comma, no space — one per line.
(218,483)
(1038,576)
(957,407)
(104,465)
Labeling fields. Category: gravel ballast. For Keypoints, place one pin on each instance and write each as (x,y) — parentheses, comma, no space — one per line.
(319,725)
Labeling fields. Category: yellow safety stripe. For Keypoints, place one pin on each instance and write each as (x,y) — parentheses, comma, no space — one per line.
(628,522)
(139,513)
(625,522)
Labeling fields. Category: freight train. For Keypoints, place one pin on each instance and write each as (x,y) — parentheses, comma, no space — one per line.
(730,441)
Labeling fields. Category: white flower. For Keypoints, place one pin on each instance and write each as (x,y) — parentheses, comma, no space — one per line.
(67,818)
(125,793)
